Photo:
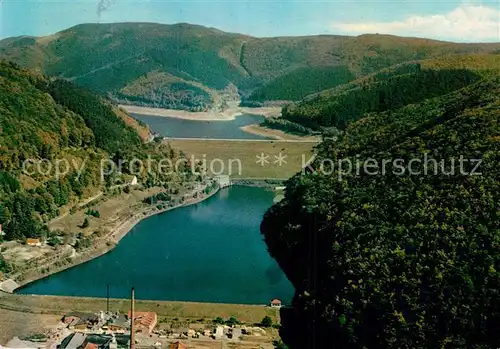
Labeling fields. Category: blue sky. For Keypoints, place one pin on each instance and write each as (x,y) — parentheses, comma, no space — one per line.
(439,19)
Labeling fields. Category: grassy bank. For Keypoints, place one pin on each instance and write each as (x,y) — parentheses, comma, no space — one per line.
(194,311)
(230,151)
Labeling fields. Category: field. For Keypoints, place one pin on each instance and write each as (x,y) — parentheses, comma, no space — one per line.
(238,158)
(13,323)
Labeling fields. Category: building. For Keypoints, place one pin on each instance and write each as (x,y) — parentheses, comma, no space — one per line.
(117,323)
(144,322)
(133,181)
(223,181)
(178,345)
(80,321)
(34,242)
(74,340)
(219,332)
(275,303)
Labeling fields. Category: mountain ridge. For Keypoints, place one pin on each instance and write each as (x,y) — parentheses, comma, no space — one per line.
(112,57)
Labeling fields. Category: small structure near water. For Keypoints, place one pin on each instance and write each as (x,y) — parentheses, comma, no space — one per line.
(223,181)
(275,303)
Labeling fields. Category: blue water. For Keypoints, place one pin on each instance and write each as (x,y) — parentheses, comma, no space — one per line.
(180,128)
(209,252)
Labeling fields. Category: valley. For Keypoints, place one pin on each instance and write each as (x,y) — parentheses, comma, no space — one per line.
(237,191)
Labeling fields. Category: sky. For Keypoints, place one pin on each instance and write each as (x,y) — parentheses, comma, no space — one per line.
(459,21)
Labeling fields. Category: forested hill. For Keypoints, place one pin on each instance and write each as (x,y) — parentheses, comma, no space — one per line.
(185,66)
(389,88)
(50,121)
(398,260)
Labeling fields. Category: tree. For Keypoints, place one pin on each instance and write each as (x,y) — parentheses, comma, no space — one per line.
(219,321)
(387,261)
(85,223)
(266,321)
(4,266)
(280,345)
(232,321)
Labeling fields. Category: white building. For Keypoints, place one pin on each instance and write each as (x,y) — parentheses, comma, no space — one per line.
(219,332)
(223,181)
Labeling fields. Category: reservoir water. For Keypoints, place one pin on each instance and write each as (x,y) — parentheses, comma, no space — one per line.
(209,252)
(180,128)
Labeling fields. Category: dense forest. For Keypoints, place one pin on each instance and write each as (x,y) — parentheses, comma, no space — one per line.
(398,260)
(110,58)
(43,122)
(300,83)
(177,95)
(386,92)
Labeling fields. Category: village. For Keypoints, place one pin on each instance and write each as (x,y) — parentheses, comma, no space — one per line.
(113,330)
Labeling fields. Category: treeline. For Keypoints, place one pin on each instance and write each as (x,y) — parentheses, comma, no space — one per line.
(160,197)
(45,121)
(286,125)
(390,260)
(110,132)
(391,92)
(302,82)
(171,96)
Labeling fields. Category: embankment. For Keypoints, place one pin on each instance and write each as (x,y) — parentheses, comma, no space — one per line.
(104,245)
(56,305)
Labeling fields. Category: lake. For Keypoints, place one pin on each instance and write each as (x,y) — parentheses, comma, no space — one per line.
(180,128)
(209,252)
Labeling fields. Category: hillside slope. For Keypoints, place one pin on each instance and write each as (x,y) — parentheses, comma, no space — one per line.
(394,87)
(54,137)
(120,59)
(382,257)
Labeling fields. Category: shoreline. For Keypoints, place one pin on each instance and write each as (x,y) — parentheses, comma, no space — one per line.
(108,243)
(229,114)
(259,130)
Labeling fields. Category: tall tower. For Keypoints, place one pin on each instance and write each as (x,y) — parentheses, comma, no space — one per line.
(132,316)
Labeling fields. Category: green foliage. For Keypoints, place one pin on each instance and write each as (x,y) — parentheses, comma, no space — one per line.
(399,261)
(85,223)
(279,123)
(172,96)
(4,266)
(83,242)
(110,58)
(384,93)
(93,213)
(53,120)
(219,321)
(266,322)
(280,345)
(232,321)
(53,241)
(302,82)
(160,197)
(110,132)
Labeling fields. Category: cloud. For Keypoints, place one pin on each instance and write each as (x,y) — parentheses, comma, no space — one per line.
(466,23)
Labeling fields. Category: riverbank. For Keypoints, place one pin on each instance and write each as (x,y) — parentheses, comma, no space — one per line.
(259,130)
(107,243)
(228,114)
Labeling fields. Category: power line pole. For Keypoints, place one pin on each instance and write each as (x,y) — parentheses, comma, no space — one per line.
(132,329)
